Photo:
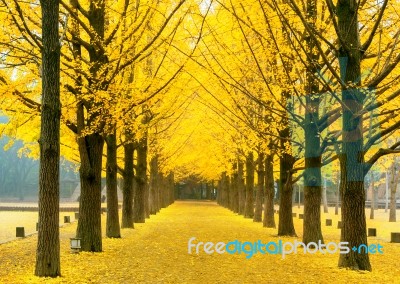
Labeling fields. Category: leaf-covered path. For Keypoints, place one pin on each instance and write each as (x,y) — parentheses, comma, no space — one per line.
(157,252)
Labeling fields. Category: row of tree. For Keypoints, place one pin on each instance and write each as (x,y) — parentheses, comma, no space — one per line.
(310,83)
(202,87)
(104,69)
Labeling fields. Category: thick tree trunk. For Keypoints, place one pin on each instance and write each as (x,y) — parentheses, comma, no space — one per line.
(260,188)
(91,145)
(141,181)
(312,174)
(352,158)
(48,245)
(89,223)
(269,220)
(249,206)
(127,190)
(241,187)
(112,224)
(393,188)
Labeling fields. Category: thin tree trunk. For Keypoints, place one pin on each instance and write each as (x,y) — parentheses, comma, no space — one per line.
(48,245)
(141,181)
(371,215)
(235,186)
(386,192)
(393,188)
(324,197)
(241,187)
(337,195)
(286,227)
(159,190)
(127,190)
(208,189)
(249,205)
(147,201)
(224,189)
(112,223)
(153,200)
(269,219)
(228,191)
(260,188)
(171,185)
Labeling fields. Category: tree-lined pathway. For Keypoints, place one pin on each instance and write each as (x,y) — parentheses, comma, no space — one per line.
(157,252)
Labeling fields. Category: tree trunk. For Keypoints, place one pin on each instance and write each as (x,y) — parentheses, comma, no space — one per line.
(208,189)
(218,198)
(48,245)
(386,192)
(269,220)
(171,186)
(159,190)
(241,188)
(371,215)
(234,187)
(224,190)
(127,190)
(286,227)
(141,181)
(352,158)
(393,188)
(228,192)
(249,206)
(260,188)
(89,223)
(337,195)
(153,199)
(147,201)
(312,174)
(324,197)
(112,225)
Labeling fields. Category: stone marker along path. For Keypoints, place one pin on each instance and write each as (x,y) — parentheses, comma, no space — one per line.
(157,252)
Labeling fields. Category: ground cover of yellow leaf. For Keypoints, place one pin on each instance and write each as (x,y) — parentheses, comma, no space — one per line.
(157,252)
